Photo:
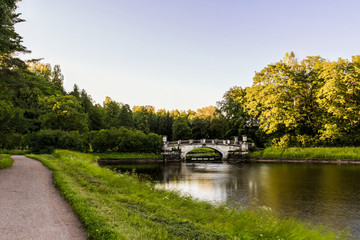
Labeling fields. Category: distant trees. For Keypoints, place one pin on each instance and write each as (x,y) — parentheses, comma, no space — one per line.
(181,129)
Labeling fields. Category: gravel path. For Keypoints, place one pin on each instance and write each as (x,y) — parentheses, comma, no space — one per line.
(31,207)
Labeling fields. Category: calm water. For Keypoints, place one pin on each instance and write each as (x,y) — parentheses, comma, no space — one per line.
(328,194)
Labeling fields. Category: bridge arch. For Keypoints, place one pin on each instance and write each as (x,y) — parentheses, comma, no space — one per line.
(186,149)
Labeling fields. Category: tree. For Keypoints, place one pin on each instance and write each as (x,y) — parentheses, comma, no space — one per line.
(96,117)
(199,128)
(165,122)
(63,113)
(52,75)
(181,129)
(339,98)
(112,111)
(10,41)
(283,98)
(144,118)
(126,116)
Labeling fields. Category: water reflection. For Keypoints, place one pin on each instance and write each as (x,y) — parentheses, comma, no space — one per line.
(328,194)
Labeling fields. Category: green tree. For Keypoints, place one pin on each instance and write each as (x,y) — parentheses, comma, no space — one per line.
(339,98)
(10,41)
(126,116)
(143,118)
(165,122)
(112,111)
(181,129)
(199,128)
(63,113)
(283,97)
(96,117)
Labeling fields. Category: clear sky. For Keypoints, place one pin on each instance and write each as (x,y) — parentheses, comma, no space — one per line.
(181,54)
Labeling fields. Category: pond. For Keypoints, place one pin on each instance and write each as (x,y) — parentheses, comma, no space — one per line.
(321,194)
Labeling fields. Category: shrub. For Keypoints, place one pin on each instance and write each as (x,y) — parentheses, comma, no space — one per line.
(11,141)
(44,141)
(72,141)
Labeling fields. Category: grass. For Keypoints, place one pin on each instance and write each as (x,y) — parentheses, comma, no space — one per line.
(309,153)
(116,155)
(14,152)
(120,206)
(5,161)
(203,152)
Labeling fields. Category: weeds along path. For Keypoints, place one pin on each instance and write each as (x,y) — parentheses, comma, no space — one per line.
(31,207)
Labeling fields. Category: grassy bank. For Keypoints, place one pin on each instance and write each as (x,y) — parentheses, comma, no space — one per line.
(116,155)
(5,161)
(309,153)
(203,152)
(120,206)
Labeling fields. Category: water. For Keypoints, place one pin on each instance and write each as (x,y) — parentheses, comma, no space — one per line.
(325,194)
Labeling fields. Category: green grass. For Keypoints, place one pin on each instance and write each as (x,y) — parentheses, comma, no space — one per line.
(116,155)
(14,152)
(5,161)
(120,206)
(309,153)
(202,150)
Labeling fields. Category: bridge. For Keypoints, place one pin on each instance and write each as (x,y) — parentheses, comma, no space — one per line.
(224,147)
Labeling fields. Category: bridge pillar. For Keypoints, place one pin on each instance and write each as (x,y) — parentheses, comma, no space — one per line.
(244,147)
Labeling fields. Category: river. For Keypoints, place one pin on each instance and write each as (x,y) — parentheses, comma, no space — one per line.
(321,194)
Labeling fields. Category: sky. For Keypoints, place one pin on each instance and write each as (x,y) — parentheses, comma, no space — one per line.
(180,54)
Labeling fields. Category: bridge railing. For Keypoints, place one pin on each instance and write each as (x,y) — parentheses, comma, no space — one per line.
(205,141)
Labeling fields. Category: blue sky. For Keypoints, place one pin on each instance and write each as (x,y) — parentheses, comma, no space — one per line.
(182,54)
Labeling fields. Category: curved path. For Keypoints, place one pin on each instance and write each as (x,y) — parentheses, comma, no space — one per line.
(31,207)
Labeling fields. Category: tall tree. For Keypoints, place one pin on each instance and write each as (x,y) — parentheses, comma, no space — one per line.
(339,98)
(10,41)
(181,129)
(63,113)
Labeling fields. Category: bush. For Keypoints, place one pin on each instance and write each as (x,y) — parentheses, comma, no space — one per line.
(44,141)
(115,140)
(11,141)
(72,141)
(124,140)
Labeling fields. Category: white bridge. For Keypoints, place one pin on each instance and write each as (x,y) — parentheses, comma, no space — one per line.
(221,146)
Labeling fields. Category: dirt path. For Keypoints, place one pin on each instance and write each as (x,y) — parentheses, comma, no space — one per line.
(31,207)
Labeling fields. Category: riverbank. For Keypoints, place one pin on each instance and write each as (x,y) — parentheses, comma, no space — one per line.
(113,158)
(5,161)
(120,206)
(329,155)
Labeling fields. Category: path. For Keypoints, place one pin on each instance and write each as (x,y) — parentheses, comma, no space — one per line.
(31,207)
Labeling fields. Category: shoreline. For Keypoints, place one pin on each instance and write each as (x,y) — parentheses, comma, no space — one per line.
(307,161)
(113,161)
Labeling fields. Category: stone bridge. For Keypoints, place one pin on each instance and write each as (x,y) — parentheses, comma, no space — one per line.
(222,146)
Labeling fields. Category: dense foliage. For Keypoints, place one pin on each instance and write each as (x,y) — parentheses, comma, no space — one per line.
(314,102)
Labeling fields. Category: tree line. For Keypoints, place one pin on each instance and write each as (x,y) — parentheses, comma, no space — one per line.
(312,102)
